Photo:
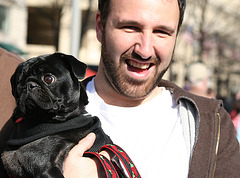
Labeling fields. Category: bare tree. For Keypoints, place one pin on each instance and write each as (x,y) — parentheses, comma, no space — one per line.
(212,19)
(216,27)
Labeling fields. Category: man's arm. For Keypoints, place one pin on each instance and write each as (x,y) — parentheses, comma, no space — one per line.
(9,63)
(228,157)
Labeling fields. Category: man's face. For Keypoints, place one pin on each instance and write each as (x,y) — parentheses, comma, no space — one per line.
(137,44)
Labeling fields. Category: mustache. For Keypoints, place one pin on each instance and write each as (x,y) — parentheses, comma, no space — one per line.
(131,54)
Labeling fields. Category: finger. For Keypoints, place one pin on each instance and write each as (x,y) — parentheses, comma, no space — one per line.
(83,145)
(107,154)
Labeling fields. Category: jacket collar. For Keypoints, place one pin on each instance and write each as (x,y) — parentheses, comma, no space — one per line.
(178,93)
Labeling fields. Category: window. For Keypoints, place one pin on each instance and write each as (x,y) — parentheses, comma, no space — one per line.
(43,25)
(3,18)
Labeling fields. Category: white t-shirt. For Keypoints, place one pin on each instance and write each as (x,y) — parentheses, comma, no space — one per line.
(151,133)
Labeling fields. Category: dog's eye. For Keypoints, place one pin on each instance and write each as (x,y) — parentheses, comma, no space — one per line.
(48,79)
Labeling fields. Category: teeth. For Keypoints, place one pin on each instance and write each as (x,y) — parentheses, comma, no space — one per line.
(138,65)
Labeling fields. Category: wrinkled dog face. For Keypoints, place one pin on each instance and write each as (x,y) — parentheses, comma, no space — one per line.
(46,88)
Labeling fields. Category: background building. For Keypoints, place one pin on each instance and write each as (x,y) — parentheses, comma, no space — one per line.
(210,34)
(13,26)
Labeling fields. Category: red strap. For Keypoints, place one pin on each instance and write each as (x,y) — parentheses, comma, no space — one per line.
(128,164)
(109,169)
(112,168)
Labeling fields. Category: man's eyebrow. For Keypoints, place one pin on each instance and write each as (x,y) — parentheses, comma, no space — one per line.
(124,21)
(119,22)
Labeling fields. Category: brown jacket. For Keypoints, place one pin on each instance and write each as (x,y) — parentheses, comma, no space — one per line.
(209,133)
(215,151)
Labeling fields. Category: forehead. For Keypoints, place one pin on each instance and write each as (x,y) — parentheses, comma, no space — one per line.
(113,2)
(155,11)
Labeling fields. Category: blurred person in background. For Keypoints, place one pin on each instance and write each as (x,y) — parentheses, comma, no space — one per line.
(198,77)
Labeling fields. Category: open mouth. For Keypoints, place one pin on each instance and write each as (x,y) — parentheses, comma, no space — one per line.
(138,67)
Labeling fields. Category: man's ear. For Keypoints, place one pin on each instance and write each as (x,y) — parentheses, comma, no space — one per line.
(99,27)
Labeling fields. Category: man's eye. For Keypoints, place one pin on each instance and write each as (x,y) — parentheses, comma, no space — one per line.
(48,79)
(161,32)
(130,28)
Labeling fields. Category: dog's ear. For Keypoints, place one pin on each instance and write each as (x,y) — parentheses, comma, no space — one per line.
(78,68)
(14,79)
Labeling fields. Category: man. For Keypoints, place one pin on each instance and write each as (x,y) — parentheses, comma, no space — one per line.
(166,131)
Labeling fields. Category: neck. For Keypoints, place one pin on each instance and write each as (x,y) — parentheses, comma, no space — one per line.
(112,97)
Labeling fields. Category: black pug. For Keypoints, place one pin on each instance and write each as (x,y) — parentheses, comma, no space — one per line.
(50,116)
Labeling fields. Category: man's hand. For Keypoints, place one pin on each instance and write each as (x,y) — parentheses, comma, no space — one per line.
(77,166)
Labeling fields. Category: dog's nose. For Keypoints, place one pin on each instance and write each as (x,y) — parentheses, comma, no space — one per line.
(31,85)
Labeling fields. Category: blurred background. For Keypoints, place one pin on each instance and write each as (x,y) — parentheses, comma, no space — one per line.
(210,34)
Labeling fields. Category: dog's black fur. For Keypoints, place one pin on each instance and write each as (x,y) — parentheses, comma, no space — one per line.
(50,102)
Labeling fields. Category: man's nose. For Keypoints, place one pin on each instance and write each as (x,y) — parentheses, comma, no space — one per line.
(144,46)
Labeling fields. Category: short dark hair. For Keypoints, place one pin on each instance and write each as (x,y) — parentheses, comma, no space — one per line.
(104,8)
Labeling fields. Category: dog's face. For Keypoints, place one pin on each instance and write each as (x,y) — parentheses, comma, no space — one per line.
(46,88)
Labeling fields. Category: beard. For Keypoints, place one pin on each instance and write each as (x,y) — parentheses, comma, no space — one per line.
(124,84)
